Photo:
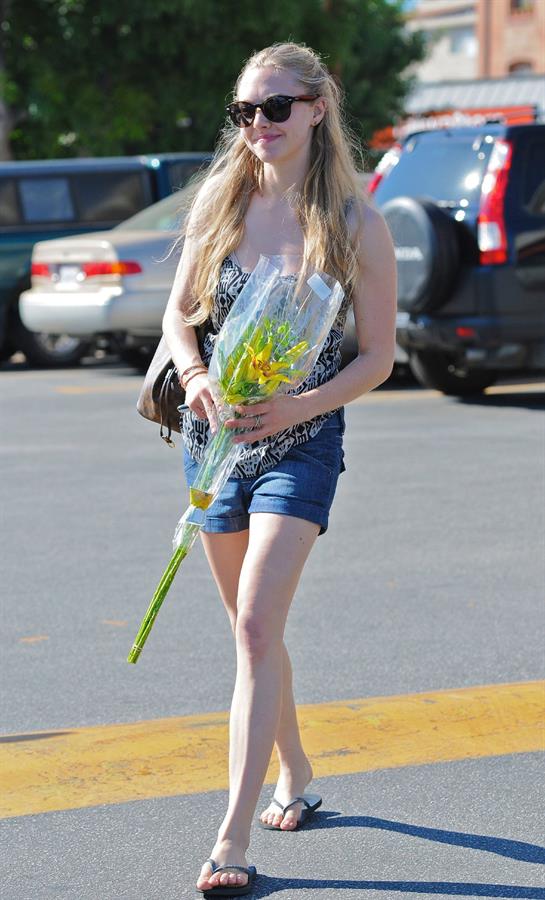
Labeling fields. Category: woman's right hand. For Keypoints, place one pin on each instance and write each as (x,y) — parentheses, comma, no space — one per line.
(198,397)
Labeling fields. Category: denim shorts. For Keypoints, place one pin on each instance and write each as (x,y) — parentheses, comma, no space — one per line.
(302,484)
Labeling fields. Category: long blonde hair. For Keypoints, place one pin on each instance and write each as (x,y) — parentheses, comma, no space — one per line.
(217,216)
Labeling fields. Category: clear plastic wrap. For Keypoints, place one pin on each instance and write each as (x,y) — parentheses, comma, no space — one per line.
(268,344)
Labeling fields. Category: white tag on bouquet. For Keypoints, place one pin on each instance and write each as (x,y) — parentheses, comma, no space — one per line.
(319,286)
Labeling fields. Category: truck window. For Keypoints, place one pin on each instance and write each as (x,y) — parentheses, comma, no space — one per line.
(109,196)
(180,172)
(46,200)
(9,207)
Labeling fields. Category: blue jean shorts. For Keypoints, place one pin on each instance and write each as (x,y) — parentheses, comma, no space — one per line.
(302,484)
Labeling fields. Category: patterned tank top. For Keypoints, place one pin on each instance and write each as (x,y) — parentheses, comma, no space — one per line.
(260,456)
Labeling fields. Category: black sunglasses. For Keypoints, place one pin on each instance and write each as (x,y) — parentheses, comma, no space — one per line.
(275,109)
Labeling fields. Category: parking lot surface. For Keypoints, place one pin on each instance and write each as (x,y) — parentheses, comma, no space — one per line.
(416,637)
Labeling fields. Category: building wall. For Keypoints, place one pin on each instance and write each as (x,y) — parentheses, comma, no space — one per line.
(479,38)
(511,33)
(450,30)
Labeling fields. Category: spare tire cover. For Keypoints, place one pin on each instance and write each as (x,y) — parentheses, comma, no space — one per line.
(427,252)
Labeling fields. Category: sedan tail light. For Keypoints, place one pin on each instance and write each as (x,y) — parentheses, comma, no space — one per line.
(94,269)
(40,270)
(80,272)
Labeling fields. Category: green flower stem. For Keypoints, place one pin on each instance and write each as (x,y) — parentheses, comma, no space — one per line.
(190,533)
(217,450)
(216,454)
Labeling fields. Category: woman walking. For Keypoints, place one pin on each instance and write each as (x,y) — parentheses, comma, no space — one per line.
(283,182)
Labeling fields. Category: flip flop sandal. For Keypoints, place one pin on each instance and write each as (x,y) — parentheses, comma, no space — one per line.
(230,890)
(311,801)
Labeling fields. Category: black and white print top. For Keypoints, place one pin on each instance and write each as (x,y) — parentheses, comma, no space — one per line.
(262,455)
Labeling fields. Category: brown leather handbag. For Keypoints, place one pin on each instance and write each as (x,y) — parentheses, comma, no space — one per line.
(161,393)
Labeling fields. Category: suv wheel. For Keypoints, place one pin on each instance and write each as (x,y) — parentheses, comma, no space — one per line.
(49,350)
(427,250)
(439,371)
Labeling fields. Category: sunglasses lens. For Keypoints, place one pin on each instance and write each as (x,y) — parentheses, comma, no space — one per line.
(277,109)
(242,114)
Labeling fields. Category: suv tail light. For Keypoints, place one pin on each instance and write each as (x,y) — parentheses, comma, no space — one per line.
(491,231)
(385,166)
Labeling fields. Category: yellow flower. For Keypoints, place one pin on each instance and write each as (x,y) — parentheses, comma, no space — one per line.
(251,373)
(262,368)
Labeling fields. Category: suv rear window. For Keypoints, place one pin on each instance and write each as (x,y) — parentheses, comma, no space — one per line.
(533,189)
(441,166)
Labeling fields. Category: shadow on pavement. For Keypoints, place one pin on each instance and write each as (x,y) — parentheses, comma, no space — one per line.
(518,850)
(266,886)
(526,399)
(40,736)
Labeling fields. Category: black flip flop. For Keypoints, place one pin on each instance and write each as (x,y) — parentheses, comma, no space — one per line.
(230,890)
(311,801)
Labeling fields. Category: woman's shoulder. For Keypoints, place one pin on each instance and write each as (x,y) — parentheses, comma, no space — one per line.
(362,215)
(372,237)
(360,207)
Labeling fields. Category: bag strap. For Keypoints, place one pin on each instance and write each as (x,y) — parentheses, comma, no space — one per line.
(163,406)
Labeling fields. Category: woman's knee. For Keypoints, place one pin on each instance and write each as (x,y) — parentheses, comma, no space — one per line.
(256,634)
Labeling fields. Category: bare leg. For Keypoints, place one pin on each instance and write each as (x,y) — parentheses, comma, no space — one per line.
(225,554)
(295,768)
(278,547)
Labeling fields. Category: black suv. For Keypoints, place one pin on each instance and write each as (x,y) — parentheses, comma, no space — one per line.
(466,208)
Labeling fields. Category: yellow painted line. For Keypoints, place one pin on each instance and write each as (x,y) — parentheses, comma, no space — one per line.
(98,389)
(377,396)
(82,767)
(34,639)
(416,393)
(532,388)
(401,395)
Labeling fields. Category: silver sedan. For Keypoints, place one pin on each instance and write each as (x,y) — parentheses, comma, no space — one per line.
(114,283)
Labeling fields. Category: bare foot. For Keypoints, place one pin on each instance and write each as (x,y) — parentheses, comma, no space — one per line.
(291,783)
(224,852)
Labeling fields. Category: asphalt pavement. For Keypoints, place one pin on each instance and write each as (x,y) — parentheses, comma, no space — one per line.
(425,594)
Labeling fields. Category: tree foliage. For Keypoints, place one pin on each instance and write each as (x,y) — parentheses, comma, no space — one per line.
(91,77)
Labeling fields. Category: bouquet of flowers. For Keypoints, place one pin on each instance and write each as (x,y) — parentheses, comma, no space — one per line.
(268,343)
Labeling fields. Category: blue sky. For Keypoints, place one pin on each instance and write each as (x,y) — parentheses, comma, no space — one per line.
(408,4)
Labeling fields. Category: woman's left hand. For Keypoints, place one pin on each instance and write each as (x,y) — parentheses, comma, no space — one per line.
(260,420)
